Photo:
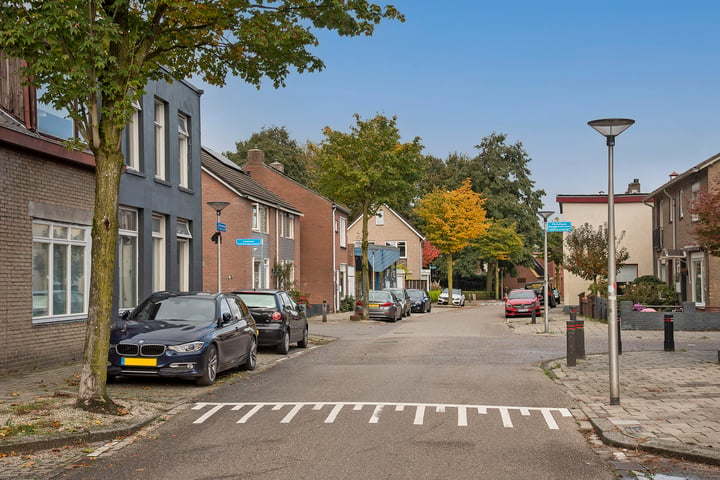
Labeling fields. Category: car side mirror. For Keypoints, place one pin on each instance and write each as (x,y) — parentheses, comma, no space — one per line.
(227,317)
(504,299)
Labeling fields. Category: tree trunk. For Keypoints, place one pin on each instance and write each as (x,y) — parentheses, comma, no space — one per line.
(92,394)
(450,278)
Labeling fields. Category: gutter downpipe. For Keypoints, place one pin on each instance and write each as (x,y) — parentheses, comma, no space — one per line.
(334,260)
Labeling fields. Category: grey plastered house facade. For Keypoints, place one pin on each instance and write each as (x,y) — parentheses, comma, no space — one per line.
(253,213)
(46,205)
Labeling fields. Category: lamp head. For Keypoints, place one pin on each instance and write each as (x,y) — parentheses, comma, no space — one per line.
(611,127)
(218,206)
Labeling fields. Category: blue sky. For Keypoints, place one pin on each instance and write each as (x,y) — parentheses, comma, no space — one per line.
(538,71)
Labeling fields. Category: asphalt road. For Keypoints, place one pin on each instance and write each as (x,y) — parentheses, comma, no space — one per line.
(446,395)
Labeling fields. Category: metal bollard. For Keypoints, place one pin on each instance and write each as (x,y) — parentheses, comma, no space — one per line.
(324,310)
(571,353)
(580,339)
(669,333)
(533,315)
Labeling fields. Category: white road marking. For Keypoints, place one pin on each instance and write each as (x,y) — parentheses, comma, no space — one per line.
(419,418)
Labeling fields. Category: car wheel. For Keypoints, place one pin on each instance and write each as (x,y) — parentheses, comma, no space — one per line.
(111,379)
(429,308)
(251,361)
(304,342)
(211,365)
(284,346)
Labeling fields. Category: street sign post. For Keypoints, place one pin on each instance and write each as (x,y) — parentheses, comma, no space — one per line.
(252,242)
(559,227)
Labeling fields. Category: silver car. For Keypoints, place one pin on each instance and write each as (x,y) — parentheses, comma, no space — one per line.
(404,298)
(382,304)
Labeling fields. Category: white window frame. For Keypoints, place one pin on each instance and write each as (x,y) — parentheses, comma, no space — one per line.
(343,232)
(160,160)
(128,280)
(184,150)
(379,218)
(183,251)
(681,204)
(255,217)
(159,250)
(697,278)
(397,243)
(75,237)
(132,157)
(257,273)
(695,192)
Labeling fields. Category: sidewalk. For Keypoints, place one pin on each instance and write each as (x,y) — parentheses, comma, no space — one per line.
(669,401)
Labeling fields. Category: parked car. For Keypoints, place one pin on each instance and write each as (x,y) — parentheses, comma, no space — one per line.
(419,300)
(404,298)
(458,298)
(538,287)
(190,335)
(521,302)
(280,320)
(381,304)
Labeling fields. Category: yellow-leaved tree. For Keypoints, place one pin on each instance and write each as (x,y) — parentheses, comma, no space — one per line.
(453,220)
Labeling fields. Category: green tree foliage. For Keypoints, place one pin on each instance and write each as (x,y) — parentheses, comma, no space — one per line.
(501,242)
(367,168)
(706,230)
(96,57)
(276,144)
(649,290)
(453,220)
(587,253)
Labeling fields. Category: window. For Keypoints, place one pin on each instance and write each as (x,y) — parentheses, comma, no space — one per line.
(255,217)
(127,258)
(53,121)
(257,273)
(183,254)
(183,151)
(379,218)
(159,140)
(681,204)
(695,192)
(60,262)
(401,245)
(343,232)
(696,278)
(288,226)
(132,155)
(158,242)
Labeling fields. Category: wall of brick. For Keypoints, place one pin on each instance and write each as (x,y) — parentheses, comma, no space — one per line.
(27,177)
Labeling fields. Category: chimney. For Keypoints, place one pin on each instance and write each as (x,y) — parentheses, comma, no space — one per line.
(278,166)
(634,187)
(255,157)
(673,176)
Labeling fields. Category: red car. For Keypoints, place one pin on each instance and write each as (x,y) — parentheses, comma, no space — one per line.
(521,302)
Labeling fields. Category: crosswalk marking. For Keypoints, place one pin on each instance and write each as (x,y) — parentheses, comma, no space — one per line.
(463,420)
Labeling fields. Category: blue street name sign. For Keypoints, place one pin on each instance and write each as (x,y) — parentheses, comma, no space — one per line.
(221,227)
(559,227)
(254,242)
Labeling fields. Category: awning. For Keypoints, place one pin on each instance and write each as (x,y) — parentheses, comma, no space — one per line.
(380,257)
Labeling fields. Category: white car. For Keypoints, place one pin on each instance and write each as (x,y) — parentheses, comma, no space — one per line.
(457,299)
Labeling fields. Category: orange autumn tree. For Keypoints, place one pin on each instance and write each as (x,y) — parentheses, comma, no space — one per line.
(453,220)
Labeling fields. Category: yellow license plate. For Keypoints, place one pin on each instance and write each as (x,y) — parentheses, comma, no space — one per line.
(373,305)
(139,362)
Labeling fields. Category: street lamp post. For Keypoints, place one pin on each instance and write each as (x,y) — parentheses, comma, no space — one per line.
(218,207)
(545,214)
(611,128)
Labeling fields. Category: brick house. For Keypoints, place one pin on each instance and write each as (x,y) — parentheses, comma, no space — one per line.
(677,258)
(632,216)
(323,271)
(46,205)
(389,228)
(254,213)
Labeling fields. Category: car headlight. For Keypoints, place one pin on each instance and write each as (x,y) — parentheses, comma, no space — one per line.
(508,305)
(186,347)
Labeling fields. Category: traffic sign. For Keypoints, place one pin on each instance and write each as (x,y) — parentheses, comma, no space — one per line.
(559,227)
(252,242)
(221,227)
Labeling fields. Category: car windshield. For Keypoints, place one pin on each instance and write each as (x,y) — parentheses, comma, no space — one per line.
(416,294)
(521,294)
(192,309)
(377,296)
(397,291)
(258,300)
